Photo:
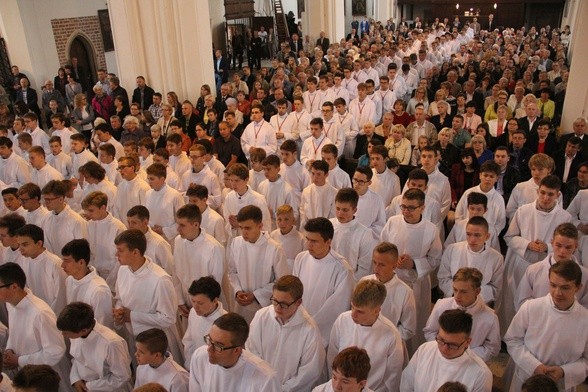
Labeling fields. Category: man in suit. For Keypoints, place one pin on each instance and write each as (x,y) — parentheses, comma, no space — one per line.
(323,42)
(15,78)
(469,89)
(189,119)
(28,96)
(143,94)
(490,25)
(530,121)
(580,131)
(568,160)
(221,66)
(80,73)
(116,89)
(296,44)
(475,25)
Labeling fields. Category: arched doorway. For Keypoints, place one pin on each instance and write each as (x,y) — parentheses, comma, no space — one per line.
(81,49)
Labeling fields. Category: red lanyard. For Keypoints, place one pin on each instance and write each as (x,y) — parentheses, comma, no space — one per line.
(317,147)
(257,129)
(328,130)
(341,119)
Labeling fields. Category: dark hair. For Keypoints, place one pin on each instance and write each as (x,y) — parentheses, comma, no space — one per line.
(490,167)
(347,195)
(567,230)
(418,174)
(33,232)
(154,339)
(250,212)
(365,170)
(207,286)
(139,211)
(12,222)
(271,160)
(75,317)
(162,152)
(539,383)
(456,321)
(320,225)
(452,386)
(414,194)
(199,191)
(174,138)
(353,362)
(78,249)
(158,170)
(13,273)
(477,198)
(290,284)
(551,182)
(5,142)
(568,270)
(39,378)
(479,221)
(206,144)
(330,149)
(236,325)
(133,239)
(94,170)
(108,148)
(190,212)
(320,165)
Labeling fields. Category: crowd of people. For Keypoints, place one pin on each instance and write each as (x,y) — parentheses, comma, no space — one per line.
(290,229)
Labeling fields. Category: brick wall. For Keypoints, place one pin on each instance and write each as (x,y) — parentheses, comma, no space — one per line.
(63,29)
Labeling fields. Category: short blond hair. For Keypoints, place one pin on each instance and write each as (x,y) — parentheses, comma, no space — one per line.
(369,292)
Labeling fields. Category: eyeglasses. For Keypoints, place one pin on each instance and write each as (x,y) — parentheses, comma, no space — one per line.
(409,208)
(23,200)
(50,198)
(121,167)
(451,346)
(283,305)
(359,182)
(219,348)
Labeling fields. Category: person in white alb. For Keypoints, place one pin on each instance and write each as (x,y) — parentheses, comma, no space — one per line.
(352,240)
(485,335)
(399,306)
(293,172)
(578,208)
(60,130)
(370,207)
(80,155)
(196,254)
(83,284)
(350,84)
(41,172)
(131,191)
(549,335)
(384,182)
(204,293)
(362,108)
(448,358)
(162,201)
(327,277)
(338,90)
(337,178)
(529,240)
(255,261)
(349,125)
(259,133)
(178,159)
(45,277)
(201,174)
(101,361)
(331,127)
(40,137)
(58,159)
(420,252)
(318,199)
(300,121)
(311,97)
(474,253)
(14,170)
(364,326)
(535,282)
(223,364)
(284,123)
(350,370)
(212,222)
(30,197)
(156,364)
(276,191)
(102,132)
(145,296)
(34,338)
(286,336)
(94,179)
(287,235)
(106,155)
(103,228)
(312,146)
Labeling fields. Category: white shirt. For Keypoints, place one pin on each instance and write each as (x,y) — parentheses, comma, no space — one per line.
(37,217)
(62,162)
(334,132)
(159,251)
(363,111)
(338,178)
(578,208)
(81,159)
(286,125)
(40,138)
(46,279)
(495,214)
(214,224)
(65,136)
(14,171)
(292,243)
(312,147)
(119,150)
(93,290)
(234,202)
(296,175)
(180,164)
(300,124)
(371,212)
(385,184)
(279,193)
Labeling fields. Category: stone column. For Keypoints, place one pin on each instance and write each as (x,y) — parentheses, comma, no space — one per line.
(324,15)
(168,42)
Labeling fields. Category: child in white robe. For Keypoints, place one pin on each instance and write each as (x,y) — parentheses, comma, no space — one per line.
(80,154)
(535,339)
(255,262)
(286,336)
(256,174)
(200,174)
(364,326)
(61,161)
(312,147)
(300,121)
(384,182)
(485,334)
(327,277)
(370,208)
(318,199)
(83,284)
(156,363)
(206,308)
(276,191)
(101,361)
(14,170)
(337,177)
(41,172)
(352,240)
(178,160)
(399,306)
(131,190)
(103,228)
(287,235)
(350,369)
(106,154)
(212,222)
(162,156)
(293,172)
(30,197)
(95,180)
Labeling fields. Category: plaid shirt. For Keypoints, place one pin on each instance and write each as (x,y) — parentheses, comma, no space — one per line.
(155,111)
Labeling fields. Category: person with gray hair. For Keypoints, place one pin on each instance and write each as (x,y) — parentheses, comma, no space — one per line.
(131,130)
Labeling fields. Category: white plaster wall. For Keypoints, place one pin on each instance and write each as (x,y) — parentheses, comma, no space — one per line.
(291,5)
(216,8)
(39,60)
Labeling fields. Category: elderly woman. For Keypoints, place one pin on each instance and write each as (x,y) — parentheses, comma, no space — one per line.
(440,95)
(102,103)
(449,153)
(72,89)
(167,116)
(83,116)
(398,145)
(481,149)
(232,107)
(132,131)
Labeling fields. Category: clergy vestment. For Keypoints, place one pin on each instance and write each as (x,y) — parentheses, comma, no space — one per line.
(336,134)
(62,162)
(102,360)
(169,375)
(150,296)
(255,178)
(432,211)
(488,261)
(438,188)
(578,208)
(355,243)
(371,212)
(292,243)
(277,194)
(163,205)
(81,159)
(14,171)
(338,178)
(523,193)
(249,374)
(45,174)
(261,135)
(234,202)
(254,267)
(112,172)
(46,279)
(214,224)
(93,290)
(300,125)
(101,236)
(535,283)
(363,112)
(35,339)
(294,350)
(328,284)
(129,194)
(528,224)
(421,242)
(317,201)
(180,164)
(207,178)
(428,370)
(311,149)
(37,217)
(286,125)
(382,342)
(458,234)
(485,333)
(542,334)
(198,326)
(349,125)
(495,214)
(296,175)
(217,168)
(385,184)
(65,136)
(399,306)
(200,257)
